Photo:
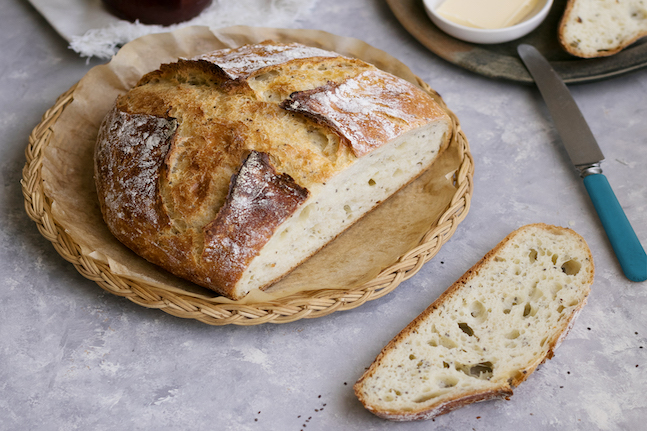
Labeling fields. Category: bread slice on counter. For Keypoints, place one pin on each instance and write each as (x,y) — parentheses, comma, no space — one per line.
(599,28)
(232,168)
(488,332)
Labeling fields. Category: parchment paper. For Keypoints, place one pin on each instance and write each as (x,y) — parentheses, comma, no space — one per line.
(355,257)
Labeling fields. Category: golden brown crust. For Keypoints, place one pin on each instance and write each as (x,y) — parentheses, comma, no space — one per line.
(222,106)
(243,62)
(127,170)
(259,200)
(441,409)
(395,106)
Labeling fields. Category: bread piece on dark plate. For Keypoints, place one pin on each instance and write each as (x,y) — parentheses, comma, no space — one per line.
(600,28)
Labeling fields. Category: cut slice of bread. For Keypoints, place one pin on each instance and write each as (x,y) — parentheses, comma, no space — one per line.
(488,332)
(599,28)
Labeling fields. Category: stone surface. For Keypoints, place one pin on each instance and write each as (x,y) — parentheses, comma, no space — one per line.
(73,357)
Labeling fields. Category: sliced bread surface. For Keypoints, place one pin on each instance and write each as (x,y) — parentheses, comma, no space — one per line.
(599,28)
(488,332)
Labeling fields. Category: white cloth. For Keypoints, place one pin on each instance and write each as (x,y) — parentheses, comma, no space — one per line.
(93,32)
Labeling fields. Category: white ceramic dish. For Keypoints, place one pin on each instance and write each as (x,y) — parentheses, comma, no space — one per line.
(489,36)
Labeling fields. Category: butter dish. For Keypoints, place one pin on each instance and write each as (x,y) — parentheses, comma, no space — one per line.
(463,26)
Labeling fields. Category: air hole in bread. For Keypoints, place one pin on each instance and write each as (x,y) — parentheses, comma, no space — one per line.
(506,311)
(560,308)
(371,182)
(305,213)
(527,310)
(571,267)
(447,382)
(267,76)
(412,357)
(478,311)
(481,370)
(535,294)
(512,334)
(447,342)
(533,255)
(554,259)
(466,328)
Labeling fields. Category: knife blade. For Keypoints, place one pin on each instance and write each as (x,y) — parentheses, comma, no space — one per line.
(585,154)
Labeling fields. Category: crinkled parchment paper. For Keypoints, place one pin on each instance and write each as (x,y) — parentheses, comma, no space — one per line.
(354,258)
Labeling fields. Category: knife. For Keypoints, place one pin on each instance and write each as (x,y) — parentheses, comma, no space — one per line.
(586,155)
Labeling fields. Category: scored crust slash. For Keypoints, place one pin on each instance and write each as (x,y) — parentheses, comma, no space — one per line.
(232,168)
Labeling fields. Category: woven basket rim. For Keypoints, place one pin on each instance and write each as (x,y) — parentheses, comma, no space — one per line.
(307,304)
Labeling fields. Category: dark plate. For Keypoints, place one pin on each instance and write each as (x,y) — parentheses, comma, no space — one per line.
(501,60)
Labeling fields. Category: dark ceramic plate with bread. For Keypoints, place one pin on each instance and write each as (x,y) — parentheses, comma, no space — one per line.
(501,61)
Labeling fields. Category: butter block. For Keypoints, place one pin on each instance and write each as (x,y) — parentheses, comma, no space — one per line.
(486,14)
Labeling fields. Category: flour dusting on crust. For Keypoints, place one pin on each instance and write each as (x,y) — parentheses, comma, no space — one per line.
(367,110)
(139,144)
(259,200)
(242,62)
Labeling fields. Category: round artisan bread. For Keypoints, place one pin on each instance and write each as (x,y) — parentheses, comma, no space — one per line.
(231,168)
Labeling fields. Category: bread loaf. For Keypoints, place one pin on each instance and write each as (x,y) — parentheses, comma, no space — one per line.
(488,332)
(599,28)
(232,168)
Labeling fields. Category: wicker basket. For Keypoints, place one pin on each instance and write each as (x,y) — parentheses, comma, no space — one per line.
(307,304)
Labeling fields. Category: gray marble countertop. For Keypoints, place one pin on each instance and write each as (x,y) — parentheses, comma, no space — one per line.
(73,357)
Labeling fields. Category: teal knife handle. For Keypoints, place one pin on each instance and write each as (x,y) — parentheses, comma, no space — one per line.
(624,241)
